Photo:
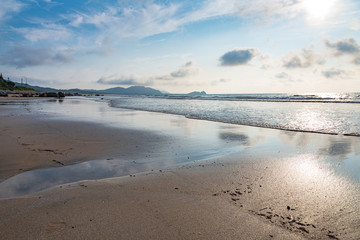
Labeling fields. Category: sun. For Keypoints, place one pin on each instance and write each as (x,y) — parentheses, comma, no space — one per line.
(318,9)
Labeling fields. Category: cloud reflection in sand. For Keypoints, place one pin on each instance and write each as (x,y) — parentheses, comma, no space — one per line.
(189,140)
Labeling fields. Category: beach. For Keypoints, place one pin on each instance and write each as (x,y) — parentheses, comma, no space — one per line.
(162,176)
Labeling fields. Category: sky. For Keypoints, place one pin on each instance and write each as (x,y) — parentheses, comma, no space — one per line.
(217,46)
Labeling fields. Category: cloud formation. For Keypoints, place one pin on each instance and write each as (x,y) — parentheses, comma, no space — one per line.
(8,7)
(355,25)
(333,73)
(304,59)
(127,80)
(220,81)
(344,46)
(186,70)
(53,32)
(356,61)
(282,75)
(142,20)
(238,57)
(147,18)
(263,10)
(22,56)
(100,51)
(138,19)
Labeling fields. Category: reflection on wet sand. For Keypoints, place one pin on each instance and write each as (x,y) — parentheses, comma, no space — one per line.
(241,138)
(189,140)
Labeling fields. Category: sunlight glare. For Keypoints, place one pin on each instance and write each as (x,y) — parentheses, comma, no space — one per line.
(318,9)
(308,169)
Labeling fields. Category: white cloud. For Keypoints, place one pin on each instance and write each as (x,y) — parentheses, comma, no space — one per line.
(211,9)
(8,7)
(142,19)
(78,19)
(187,70)
(146,19)
(305,59)
(255,9)
(51,32)
(355,25)
(137,22)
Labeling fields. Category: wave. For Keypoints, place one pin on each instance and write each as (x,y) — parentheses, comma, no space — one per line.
(322,98)
(332,118)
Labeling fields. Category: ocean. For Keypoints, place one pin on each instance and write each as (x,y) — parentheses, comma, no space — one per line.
(325,113)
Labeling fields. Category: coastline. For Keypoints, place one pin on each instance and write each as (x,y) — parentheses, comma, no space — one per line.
(259,191)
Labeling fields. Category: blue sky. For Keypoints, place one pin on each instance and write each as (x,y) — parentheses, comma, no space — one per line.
(220,46)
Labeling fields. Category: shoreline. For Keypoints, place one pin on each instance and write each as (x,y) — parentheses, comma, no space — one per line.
(249,125)
(33,141)
(250,183)
(4,99)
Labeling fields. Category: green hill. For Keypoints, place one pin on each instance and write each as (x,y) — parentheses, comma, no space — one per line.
(9,85)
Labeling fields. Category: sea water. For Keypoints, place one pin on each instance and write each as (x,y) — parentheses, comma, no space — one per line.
(319,113)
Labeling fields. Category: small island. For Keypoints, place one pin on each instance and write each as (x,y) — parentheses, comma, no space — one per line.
(196,93)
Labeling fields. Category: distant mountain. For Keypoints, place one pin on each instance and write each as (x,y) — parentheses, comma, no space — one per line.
(197,93)
(37,88)
(135,90)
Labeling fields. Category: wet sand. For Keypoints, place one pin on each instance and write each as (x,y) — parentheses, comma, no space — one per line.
(295,189)
(32,141)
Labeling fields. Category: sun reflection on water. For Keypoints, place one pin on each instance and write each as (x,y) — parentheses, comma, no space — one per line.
(313,120)
(308,168)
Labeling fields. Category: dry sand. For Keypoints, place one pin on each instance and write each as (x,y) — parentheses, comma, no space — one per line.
(235,196)
(220,200)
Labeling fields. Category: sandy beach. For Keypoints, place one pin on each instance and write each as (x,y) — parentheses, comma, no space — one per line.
(32,142)
(178,178)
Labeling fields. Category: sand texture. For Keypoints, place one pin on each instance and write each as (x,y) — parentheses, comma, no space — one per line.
(211,201)
(256,193)
(32,141)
